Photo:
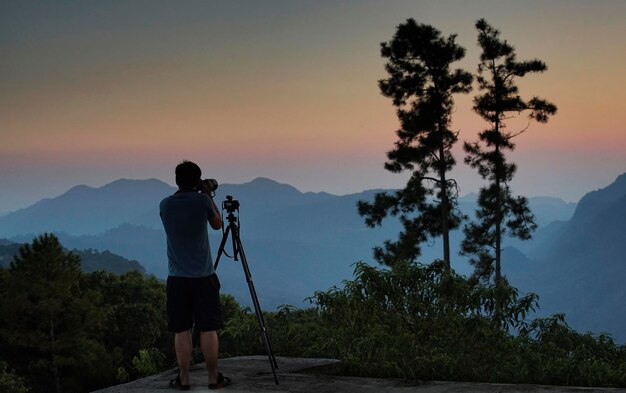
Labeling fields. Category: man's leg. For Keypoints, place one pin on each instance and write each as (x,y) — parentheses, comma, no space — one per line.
(209,343)
(183,346)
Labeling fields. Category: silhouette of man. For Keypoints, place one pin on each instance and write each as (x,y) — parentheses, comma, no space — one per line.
(192,285)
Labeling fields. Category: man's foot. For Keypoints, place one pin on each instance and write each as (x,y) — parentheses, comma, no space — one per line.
(222,382)
(175,384)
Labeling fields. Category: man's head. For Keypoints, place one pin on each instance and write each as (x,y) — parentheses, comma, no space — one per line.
(188,174)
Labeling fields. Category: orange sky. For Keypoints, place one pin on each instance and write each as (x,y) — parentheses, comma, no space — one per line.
(93,92)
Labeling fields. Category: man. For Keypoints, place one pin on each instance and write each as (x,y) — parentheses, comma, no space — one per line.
(192,285)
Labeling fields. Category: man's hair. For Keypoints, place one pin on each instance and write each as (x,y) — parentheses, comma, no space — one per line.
(188,174)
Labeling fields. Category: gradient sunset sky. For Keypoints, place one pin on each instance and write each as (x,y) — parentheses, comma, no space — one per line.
(94,91)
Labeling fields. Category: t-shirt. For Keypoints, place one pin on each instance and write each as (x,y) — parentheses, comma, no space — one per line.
(184,216)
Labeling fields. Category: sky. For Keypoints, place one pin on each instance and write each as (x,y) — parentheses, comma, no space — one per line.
(94,91)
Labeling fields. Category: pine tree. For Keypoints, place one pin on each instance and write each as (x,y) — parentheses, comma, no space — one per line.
(499,212)
(50,331)
(421,84)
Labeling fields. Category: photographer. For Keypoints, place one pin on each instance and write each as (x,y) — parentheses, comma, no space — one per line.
(192,285)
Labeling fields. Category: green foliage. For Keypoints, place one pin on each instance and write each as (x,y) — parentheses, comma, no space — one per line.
(408,321)
(49,325)
(293,332)
(241,335)
(421,84)
(415,321)
(134,310)
(68,331)
(9,382)
(560,356)
(230,307)
(425,322)
(123,376)
(149,362)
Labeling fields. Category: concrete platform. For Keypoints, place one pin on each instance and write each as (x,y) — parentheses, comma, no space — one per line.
(300,375)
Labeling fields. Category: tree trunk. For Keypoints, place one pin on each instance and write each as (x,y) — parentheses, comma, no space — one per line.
(498,173)
(498,229)
(445,208)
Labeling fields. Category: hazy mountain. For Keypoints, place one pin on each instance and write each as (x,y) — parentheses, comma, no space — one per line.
(91,260)
(296,242)
(599,201)
(545,209)
(257,197)
(87,210)
(582,268)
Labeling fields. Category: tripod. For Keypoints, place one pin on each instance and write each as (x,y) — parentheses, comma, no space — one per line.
(233,228)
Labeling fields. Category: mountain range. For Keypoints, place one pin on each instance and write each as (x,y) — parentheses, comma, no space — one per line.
(90,260)
(579,268)
(297,243)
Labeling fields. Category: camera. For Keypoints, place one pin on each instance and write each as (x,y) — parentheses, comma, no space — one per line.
(230,204)
(210,183)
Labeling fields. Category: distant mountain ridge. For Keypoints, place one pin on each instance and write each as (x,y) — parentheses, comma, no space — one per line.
(580,269)
(91,260)
(303,240)
(298,242)
(84,209)
(595,201)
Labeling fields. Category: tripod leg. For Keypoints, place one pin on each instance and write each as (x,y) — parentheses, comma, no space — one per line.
(235,248)
(257,306)
(220,250)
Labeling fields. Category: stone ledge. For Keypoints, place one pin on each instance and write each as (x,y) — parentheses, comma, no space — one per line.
(301,375)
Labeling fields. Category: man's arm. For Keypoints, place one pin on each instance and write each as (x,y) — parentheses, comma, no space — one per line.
(216,220)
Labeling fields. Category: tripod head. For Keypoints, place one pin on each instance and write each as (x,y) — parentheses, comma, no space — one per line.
(231,206)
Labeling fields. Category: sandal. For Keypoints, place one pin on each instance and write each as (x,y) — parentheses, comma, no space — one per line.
(175,384)
(222,382)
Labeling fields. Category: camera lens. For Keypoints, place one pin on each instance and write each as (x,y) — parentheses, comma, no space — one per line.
(211,183)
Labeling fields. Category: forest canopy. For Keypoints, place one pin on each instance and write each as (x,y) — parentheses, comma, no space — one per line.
(408,321)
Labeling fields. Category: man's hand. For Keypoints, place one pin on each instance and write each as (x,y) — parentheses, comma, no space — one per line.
(205,187)
(216,221)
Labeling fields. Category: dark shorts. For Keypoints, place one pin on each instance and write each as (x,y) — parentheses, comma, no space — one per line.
(194,301)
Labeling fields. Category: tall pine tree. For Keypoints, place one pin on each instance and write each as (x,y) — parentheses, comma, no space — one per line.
(421,84)
(499,212)
(48,334)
